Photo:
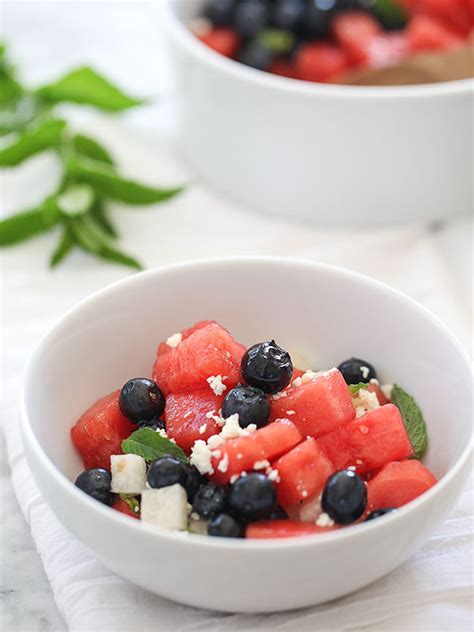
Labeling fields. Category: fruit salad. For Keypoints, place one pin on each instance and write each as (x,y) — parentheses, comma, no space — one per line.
(237,442)
(327,40)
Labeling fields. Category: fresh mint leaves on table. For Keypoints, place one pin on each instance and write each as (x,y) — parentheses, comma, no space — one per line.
(79,207)
(412,418)
(150,445)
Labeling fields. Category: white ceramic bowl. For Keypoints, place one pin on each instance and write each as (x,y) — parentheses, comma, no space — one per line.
(323,312)
(332,154)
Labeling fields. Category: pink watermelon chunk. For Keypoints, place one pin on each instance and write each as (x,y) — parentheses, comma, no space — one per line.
(369,442)
(208,350)
(185,416)
(317,407)
(398,483)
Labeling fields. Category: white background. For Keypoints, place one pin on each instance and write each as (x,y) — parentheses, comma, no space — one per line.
(432,264)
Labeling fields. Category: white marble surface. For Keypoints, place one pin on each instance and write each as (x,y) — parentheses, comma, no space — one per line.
(48,37)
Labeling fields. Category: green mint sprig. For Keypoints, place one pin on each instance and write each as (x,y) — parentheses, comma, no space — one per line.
(90,178)
(151,445)
(412,418)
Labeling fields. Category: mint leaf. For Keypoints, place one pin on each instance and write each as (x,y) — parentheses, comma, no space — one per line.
(132,502)
(87,87)
(355,388)
(28,224)
(107,182)
(32,140)
(99,212)
(92,239)
(412,418)
(76,199)
(90,148)
(390,13)
(64,247)
(278,41)
(151,445)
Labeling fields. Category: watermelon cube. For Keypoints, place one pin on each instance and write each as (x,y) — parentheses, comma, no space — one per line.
(283,529)
(208,351)
(251,451)
(354,31)
(223,40)
(316,407)
(302,472)
(427,33)
(398,483)
(100,431)
(368,442)
(186,416)
(320,62)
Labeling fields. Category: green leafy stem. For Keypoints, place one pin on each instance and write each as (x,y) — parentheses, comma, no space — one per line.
(90,178)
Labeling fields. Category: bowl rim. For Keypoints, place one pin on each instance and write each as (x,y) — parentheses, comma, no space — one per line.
(186,538)
(258,78)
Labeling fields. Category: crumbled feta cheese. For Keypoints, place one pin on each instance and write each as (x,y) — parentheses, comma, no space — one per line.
(375,381)
(309,376)
(217,385)
(223,464)
(214,441)
(162,433)
(273,475)
(363,429)
(261,465)
(365,371)
(324,521)
(368,401)
(187,414)
(279,395)
(310,509)
(290,412)
(201,456)
(297,382)
(128,473)
(304,493)
(359,462)
(387,390)
(194,516)
(352,468)
(240,455)
(251,428)
(174,340)
(216,454)
(233,478)
(210,414)
(202,429)
(231,428)
(165,507)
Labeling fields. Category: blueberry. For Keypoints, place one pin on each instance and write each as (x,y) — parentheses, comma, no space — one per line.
(224,526)
(278,514)
(267,367)
(220,12)
(317,18)
(344,497)
(154,424)
(166,471)
(210,500)
(377,513)
(250,403)
(141,399)
(193,482)
(251,16)
(252,497)
(288,14)
(356,370)
(96,482)
(256,55)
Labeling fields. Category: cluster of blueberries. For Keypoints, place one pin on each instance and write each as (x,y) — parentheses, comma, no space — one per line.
(267,369)
(301,20)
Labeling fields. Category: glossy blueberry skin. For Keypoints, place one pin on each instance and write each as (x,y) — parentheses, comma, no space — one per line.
(252,497)
(288,14)
(378,513)
(166,471)
(96,482)
(193,482)
(267,367)
(251,16)
(224,526)
(256,55)
(344,497)
(353,373)
(250,403)
(317,18)
(154,424)
(220,12)
(210,500)
(141,400)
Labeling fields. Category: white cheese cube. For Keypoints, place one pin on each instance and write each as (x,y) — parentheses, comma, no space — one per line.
(128,473)
(166,507)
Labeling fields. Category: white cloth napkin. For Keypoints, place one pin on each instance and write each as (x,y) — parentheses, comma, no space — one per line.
(432,591)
